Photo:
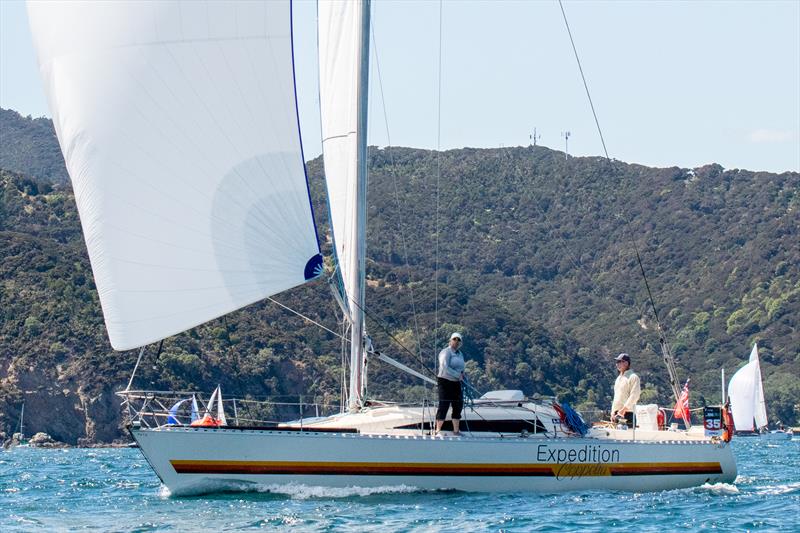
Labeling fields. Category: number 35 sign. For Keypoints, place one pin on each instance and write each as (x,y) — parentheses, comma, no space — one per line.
(712,421)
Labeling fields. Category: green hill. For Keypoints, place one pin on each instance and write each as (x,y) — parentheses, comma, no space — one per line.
(29,145)
(536,266)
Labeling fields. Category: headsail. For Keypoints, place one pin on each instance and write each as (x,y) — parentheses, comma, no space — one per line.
(746,394)
(178,122)
(343,65)
(339,41)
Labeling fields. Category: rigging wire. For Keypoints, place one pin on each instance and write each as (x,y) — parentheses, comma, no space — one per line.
(136,367)
(345,348)
(585,85)
(383,324)
(438,180)
(304,317)
(666,352)
(393,173)
(345,339)
(669,360)
(139,360)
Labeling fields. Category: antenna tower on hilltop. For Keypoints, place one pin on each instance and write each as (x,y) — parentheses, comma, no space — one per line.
(534,137)
(566,135)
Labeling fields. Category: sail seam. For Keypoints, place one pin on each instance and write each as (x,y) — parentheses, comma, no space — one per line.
(342,136)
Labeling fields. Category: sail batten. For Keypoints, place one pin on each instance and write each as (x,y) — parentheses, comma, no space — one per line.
(179,127)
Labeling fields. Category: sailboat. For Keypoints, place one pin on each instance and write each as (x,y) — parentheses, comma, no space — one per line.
(21,441)
(180,130)
(749,410)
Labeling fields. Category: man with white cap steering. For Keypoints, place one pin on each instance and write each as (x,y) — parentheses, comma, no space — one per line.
(627,390)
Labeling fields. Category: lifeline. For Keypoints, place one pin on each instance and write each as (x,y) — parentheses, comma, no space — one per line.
(587,454)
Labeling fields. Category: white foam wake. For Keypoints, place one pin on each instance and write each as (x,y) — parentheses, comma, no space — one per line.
(719,488)
(776,490)
(295,491)
(305,492)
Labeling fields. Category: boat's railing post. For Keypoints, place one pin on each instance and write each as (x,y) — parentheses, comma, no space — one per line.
(422,417)
(140,414)
(235,413)
(301,412)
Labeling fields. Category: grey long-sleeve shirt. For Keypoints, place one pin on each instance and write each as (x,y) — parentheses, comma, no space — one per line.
(451,364)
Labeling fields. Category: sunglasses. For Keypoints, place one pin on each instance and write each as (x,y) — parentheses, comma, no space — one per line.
(456,339)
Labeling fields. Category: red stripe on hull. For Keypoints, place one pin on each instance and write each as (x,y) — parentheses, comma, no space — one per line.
(561,470)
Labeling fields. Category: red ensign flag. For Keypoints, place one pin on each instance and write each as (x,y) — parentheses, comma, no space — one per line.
(682,407)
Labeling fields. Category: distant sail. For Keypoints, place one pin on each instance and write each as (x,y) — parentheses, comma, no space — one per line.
(339,35)
(760,407)
(746,394)
(178,122)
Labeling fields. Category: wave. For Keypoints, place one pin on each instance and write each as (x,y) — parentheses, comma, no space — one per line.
(305,492)
(776,490)
(718,488)
(295,491)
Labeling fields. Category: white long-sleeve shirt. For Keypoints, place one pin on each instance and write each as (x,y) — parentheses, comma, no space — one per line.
(451,364)
(627,390)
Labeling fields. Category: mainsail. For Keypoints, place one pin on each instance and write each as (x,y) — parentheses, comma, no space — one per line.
(178,123)
(343,65)
(746,393)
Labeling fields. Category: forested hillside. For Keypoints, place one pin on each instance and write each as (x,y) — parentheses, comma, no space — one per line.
(29,145)
(535,264)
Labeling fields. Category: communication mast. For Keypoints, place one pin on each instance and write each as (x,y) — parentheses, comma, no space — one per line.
(534,137)
(566,135)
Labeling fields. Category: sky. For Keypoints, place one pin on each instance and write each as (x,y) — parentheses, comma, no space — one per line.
(674,83)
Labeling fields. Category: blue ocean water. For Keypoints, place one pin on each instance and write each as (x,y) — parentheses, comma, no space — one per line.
(115,490)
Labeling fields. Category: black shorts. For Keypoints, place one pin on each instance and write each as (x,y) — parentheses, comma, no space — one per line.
(449,394)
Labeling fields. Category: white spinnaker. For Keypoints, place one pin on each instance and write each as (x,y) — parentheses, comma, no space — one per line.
(339,34)
(178,124)
(747,395)
(760,407)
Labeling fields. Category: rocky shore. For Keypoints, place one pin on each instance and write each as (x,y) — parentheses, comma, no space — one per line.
(43,440)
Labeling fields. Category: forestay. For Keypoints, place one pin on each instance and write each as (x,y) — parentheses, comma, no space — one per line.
(747,395)
(178,123)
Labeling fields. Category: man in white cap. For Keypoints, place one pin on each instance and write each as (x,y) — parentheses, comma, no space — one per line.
(451,371)
(627,390)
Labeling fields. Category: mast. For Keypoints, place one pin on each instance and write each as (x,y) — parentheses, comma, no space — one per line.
(357,274)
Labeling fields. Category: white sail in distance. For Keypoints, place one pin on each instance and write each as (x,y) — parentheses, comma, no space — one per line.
(746,393)
(178,123)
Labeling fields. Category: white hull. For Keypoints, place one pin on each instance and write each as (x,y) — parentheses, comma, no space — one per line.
(776,436)
(196,460)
